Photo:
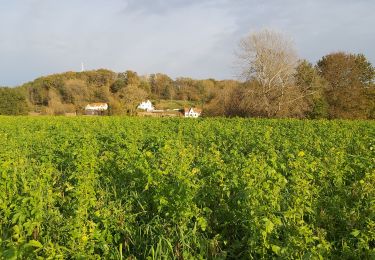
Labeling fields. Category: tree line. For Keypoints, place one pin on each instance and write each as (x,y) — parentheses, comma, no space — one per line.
(277,83)
(274,82)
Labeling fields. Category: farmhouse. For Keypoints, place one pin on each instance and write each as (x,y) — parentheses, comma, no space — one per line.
(192,112)
(146,105)
(96,108)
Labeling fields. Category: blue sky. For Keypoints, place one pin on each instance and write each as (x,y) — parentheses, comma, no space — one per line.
(195,38)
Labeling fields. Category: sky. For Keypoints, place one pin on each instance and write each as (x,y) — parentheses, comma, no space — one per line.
(181,38)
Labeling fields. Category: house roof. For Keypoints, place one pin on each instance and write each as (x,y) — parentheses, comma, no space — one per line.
(97,106)
(196,110)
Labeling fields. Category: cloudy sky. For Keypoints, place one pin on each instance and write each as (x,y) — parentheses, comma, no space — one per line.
(192,38)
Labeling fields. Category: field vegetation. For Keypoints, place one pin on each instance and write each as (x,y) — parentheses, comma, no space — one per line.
(144,188)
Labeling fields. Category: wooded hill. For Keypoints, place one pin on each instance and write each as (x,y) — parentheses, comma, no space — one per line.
(69,92)
(340,85)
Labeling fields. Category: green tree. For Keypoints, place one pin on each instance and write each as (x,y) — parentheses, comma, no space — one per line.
(118,85)
(13,102)
(125,79)
(313,86)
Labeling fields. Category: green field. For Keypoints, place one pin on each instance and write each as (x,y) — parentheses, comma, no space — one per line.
(136,188)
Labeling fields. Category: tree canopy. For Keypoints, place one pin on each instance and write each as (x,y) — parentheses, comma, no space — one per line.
(13,101)
(350,92)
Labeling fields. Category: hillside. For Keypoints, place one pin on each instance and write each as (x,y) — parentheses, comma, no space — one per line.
(69,92)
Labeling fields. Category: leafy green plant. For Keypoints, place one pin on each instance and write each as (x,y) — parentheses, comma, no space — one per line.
(145,188)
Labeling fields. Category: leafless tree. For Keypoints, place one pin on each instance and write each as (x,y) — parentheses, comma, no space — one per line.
(269,58)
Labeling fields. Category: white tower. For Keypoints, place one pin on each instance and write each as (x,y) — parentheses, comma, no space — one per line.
(82,67)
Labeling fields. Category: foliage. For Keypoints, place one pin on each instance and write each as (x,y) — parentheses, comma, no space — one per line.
(351,84)
(130,97)
(162,86)
(144,188)
(313,87)
(13,102)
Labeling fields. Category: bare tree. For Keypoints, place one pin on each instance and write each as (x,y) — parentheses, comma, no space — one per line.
(270,59)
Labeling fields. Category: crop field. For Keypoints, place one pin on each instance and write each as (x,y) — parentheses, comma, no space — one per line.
(149,188)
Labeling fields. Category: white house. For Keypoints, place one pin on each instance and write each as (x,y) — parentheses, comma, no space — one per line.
(192,112)
(146,105)
(96,108)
